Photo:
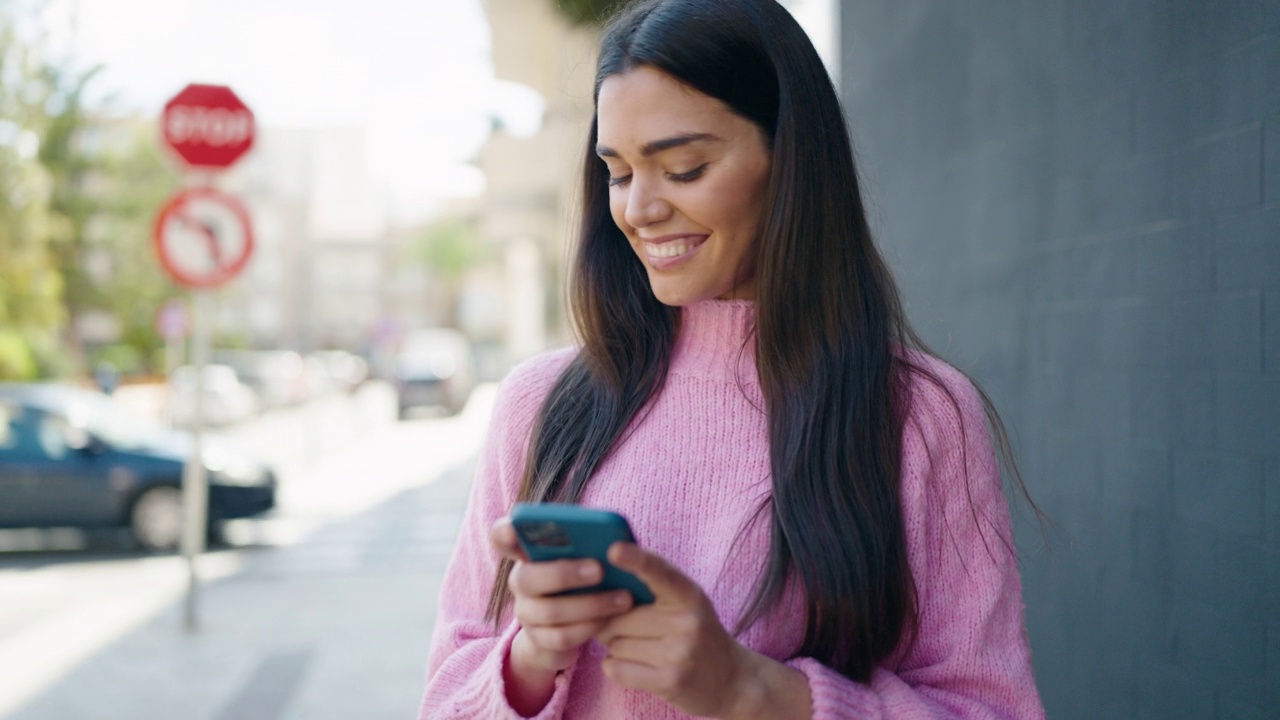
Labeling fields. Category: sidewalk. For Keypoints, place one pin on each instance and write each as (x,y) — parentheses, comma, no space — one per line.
(334,626)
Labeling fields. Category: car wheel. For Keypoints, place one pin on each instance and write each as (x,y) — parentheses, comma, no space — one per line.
(216,534)
(156,519)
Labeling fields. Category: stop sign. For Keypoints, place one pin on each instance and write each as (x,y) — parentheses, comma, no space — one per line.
(208,126)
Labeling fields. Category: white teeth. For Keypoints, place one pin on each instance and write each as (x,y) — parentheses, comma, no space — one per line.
(669,250)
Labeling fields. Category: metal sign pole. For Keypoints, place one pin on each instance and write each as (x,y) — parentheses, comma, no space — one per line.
(217,224)
(195,484)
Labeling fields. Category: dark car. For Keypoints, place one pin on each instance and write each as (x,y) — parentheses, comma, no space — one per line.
(71,457)
(433,369)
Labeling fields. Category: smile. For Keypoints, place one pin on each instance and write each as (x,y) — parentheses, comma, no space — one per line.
(666,253)
(675,249)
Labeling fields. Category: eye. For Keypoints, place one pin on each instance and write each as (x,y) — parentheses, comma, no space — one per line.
(690,176)
(614,171)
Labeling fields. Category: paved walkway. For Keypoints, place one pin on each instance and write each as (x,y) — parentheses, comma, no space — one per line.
(335,625)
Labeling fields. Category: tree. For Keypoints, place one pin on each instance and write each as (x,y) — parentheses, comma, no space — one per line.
(31,312)
(78,190)
(589,12)
(448,249)
(60,91)
(129,183)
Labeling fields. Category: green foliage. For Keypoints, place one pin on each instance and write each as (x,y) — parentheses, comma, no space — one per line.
(30,285)
(69,168)
(124,357)
(30,353)
(78,190)
(133,181)
(588,12)
(449,248)
(17,362)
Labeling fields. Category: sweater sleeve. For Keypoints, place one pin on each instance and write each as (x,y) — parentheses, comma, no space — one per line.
(464,668)
(969,658)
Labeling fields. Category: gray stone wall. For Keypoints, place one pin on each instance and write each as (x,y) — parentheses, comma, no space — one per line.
(1081,199)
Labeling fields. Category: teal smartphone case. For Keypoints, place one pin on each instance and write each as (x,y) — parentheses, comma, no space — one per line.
(556,531)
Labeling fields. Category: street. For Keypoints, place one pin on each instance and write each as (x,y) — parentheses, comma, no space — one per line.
(322,609)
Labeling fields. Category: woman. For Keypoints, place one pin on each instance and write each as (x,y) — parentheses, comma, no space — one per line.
(816,500)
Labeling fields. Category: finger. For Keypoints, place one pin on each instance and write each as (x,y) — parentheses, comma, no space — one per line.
(664,580)
(569,609)
(562,638)
(645,621)
(503,537)
(655,652)
(554,576)
(636,675)
(657,622)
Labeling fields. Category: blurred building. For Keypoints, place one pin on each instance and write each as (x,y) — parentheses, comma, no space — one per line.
(532,171)
(327,270)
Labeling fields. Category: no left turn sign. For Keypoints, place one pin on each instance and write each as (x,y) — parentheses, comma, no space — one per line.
(203,237)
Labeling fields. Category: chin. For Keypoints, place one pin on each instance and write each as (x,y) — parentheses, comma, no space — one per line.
(682,296)
(672,296)
(675,300)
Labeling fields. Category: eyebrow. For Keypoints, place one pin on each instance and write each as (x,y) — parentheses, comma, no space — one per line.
(658,146)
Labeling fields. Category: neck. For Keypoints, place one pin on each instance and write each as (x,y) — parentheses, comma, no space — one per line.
(717,340)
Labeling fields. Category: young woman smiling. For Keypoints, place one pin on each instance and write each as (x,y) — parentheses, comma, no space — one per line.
(816,498)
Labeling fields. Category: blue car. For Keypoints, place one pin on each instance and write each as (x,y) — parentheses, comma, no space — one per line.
(71,457)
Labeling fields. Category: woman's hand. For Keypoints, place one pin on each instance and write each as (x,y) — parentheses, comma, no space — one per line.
(552,629)
(677,648)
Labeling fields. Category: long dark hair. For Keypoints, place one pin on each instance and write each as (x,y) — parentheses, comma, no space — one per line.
(830,333)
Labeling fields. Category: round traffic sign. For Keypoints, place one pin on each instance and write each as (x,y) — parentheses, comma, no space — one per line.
(203,237)
(208,125)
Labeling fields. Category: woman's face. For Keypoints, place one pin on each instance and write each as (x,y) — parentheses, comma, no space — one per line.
(687,184)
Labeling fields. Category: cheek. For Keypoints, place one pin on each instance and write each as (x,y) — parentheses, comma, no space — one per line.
(733,208)
(749,202)
(618,210)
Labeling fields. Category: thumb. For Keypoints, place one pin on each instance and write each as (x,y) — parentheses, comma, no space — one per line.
(503,537)
(662,578)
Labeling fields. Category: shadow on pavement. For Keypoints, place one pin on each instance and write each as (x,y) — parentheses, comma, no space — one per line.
(45,547)
(336,625)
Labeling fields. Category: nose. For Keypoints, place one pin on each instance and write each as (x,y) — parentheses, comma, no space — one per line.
(645,204)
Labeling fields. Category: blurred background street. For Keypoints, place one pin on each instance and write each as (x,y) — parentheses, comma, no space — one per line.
(1080,200)
(321,609)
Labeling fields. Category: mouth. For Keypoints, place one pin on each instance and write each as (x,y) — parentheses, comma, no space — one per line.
(667,252)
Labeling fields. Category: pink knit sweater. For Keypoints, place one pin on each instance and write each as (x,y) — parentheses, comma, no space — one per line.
(688,479)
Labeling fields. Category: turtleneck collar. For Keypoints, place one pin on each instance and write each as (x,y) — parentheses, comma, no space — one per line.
(717,341)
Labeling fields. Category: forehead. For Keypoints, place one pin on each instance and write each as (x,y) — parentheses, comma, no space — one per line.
(646,104)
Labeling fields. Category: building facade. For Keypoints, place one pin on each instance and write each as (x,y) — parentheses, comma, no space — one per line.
(531,187)
(1082,203)
(330,269)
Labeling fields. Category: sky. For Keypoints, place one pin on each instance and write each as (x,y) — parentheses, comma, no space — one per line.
(416,73)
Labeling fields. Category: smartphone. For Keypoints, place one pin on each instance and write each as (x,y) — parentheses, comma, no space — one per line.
(557,531)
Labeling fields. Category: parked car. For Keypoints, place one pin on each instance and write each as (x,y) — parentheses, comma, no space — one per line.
(227,400)
(433,368)
(71,457)
(344,370)
(280,377)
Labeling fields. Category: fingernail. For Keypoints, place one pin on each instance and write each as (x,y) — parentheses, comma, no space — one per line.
(586,570)
(620,599)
